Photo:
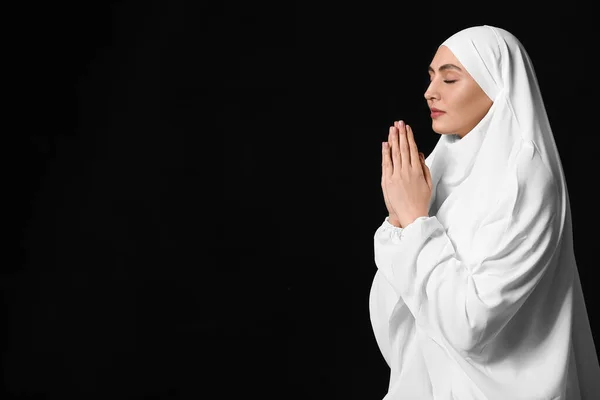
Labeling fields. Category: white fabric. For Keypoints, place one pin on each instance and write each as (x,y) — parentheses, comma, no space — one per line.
(482,299)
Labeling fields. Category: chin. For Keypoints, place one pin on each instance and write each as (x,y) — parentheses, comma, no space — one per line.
(439,128)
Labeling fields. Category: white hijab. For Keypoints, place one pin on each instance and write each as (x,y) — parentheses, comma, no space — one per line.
(500,65)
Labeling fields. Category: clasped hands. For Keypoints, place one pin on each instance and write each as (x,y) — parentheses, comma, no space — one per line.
(405,178)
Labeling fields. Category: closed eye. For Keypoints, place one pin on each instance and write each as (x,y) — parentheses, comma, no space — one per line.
(452,81)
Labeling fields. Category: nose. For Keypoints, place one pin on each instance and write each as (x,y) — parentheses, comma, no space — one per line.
(431,92)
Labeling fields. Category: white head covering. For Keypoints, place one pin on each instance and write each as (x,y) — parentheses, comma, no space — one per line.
(516,122)
(500,65)
(489,178)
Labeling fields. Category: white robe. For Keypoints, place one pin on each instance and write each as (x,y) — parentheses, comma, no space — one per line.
(482,299)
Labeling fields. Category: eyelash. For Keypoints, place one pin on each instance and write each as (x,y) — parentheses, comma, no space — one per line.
(447,81)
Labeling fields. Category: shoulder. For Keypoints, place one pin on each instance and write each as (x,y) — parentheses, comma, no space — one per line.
(537,187)
(533,173)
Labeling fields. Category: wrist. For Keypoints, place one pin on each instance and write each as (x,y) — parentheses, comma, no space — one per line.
(392,219)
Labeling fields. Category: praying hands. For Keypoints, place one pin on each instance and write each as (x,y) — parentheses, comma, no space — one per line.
(405,178)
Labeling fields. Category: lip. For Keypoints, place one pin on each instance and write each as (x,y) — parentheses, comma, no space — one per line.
(435,112)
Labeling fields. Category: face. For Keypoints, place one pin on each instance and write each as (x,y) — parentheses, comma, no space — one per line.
(453,90)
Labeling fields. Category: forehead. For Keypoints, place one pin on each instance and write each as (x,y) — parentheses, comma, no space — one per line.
(443,56)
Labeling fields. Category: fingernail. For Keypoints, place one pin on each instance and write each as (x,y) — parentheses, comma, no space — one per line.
(401,123)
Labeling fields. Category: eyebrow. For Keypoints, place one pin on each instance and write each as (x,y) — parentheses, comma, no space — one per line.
(445,67)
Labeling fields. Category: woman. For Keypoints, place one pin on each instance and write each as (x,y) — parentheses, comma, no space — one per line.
(477,294)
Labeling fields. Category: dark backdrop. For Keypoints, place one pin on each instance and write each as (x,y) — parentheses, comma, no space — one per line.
(195,188)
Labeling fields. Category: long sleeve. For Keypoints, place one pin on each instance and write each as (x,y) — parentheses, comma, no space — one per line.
(469,304)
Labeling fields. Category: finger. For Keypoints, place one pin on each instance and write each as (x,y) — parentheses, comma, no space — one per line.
(383,167)
(422,162)
(404,150)
(396,156)
(388,147)
(390,134)
(385,161)
(388,161)
(412,145)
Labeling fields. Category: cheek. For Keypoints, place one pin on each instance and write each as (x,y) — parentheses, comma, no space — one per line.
(455,104)
(459,100)
(483,105)
(464,105)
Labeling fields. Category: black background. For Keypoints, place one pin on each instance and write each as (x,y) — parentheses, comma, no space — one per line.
(195,187)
